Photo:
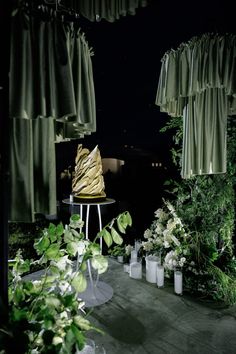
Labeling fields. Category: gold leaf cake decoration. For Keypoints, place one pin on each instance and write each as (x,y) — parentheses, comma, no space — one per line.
(88,181)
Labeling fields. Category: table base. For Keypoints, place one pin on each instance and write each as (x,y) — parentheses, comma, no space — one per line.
(96,294)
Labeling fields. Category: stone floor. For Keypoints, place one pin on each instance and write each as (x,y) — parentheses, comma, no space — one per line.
(140,319)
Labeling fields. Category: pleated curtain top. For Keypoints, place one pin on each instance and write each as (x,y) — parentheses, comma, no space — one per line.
(112,10)
(198,82)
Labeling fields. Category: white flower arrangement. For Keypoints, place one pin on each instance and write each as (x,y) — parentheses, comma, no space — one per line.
(168,237)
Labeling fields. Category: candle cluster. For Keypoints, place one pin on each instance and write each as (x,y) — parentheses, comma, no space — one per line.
(155,271)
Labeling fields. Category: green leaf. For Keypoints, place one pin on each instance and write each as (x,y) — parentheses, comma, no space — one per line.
(128,218)
(68,300)
(120,224)
(52,301)
(79,282)
(19,295)
(100,263)
(23,266)
(107,238)
(82,323)
(116,237)
(95,249)
(75,218)
(42,244)
(53,252)
(60,229)
(52,232)
(83,266)
(49,279)
(72,248)
(76,233)
(75,221)
(79,337)
(68,236)
(54,270)
(28,287)
(18,314)
(69,341)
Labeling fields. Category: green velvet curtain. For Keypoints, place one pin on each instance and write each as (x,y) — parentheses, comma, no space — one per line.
(198,82)
(111,10)
(51,89)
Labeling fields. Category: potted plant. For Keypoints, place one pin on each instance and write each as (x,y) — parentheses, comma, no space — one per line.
(46,315)
(118,252)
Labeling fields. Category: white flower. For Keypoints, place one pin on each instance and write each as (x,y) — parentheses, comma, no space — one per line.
(178,221)
(159,229)
(174,263)
(158,212)
(170,260)
(147,246)
(182,261)
(170,206)
(64,286)
(166,244)
(161,214)
(128,249)
(62,263)
(147,233)
(165,233)
(158,241)
(57,340)
(175,240)
(171,224)
(81,247)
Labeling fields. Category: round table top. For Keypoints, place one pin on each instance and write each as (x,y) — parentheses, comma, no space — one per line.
(102,202)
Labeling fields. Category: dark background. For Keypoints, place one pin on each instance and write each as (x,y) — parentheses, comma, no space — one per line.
(126,65)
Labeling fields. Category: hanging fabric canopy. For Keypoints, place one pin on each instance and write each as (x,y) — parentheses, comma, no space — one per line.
(198,82)
(51,85)
(95,10)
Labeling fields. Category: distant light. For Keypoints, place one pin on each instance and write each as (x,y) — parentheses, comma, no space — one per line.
(156,164)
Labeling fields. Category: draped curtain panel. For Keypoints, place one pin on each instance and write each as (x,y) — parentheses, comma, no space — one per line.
(109,10)
(51,89)
(198,82)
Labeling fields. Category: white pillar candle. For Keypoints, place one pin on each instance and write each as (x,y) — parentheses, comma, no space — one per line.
(71,198)
(178,282)
(120,259)
(151,268)
(126,268)
(136,270)
(160,276)
(134,256)
(137,245)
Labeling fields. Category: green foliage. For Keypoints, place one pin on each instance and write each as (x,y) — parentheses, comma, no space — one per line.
(206,204)
(118,250)
(46,315)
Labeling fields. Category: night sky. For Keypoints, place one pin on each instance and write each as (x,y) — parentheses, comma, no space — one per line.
(126,65)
